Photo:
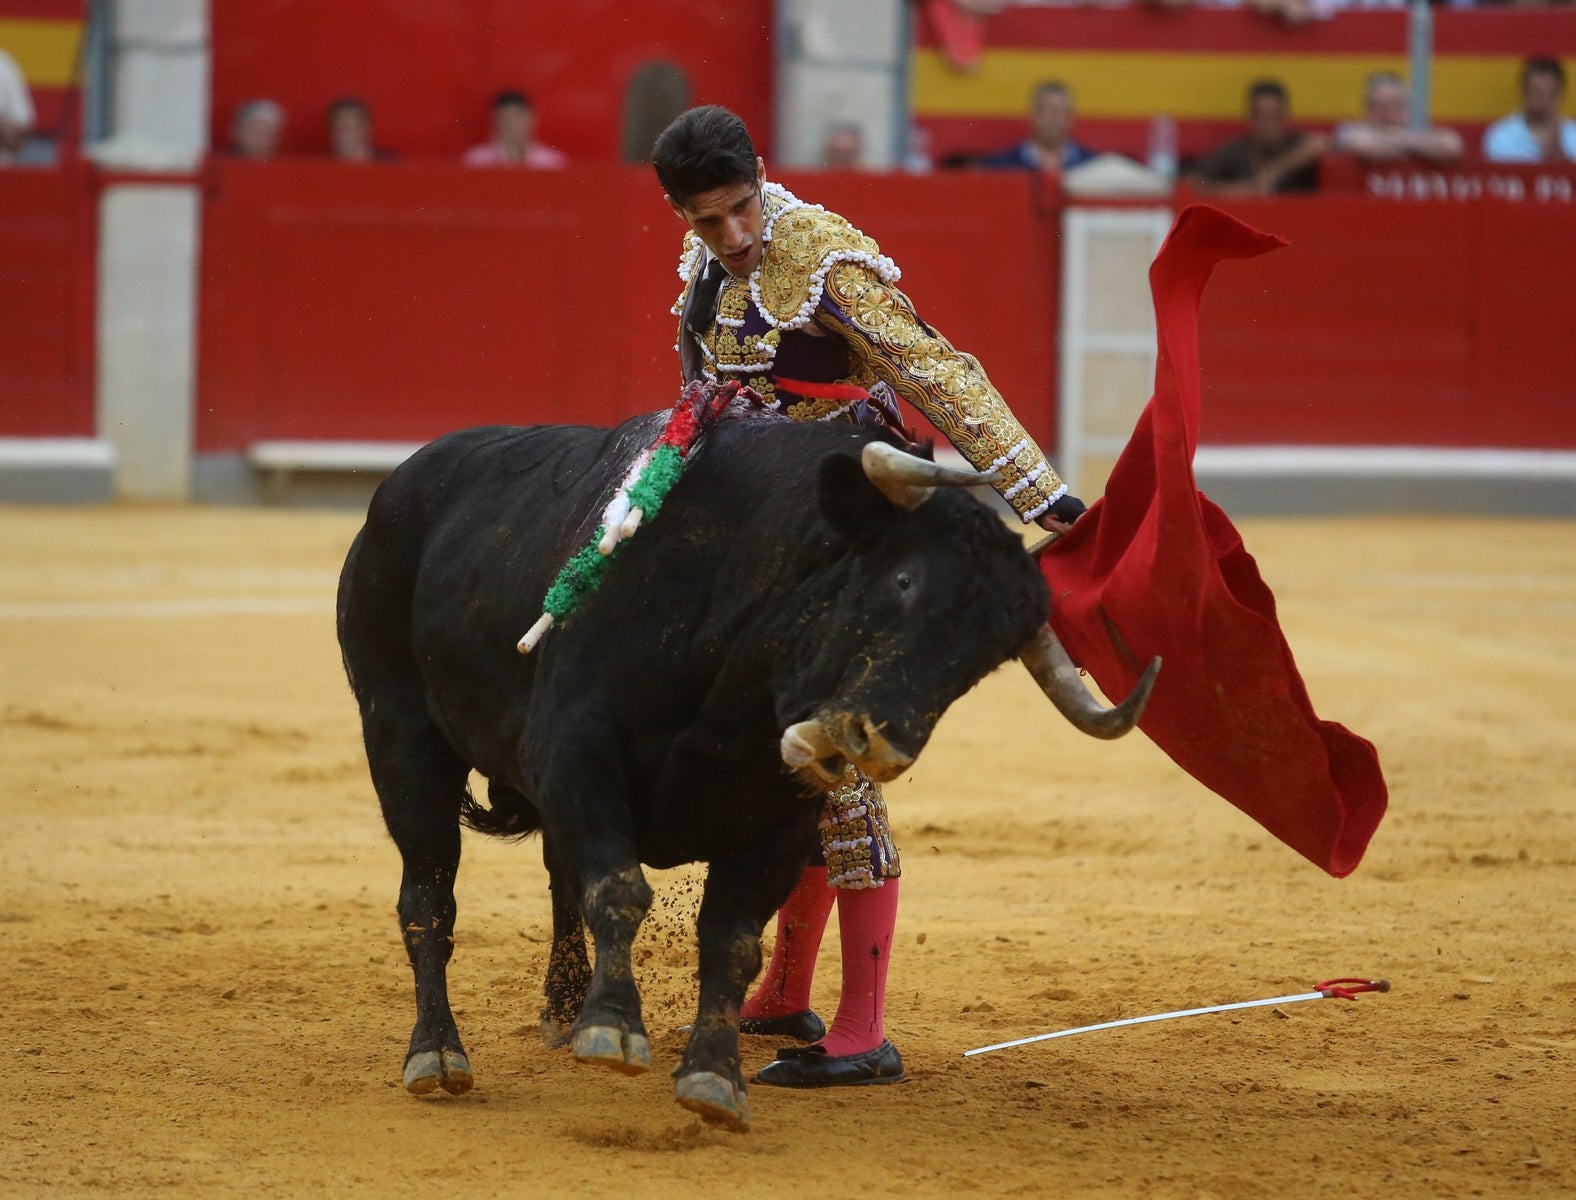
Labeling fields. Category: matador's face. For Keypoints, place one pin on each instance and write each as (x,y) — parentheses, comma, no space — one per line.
(729,220)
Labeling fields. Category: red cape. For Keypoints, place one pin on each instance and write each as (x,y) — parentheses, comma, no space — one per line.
(1154,567)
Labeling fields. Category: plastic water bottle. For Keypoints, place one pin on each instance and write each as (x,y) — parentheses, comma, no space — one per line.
(1163,146)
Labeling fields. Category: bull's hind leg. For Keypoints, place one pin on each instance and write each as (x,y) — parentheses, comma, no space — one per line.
(420,782)
(568,966)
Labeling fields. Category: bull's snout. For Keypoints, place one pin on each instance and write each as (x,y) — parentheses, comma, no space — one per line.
(875,755)
(827,744)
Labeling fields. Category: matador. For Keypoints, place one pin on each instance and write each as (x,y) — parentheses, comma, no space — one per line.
(801,306)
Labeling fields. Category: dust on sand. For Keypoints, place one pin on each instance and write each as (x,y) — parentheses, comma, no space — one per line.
(206,995)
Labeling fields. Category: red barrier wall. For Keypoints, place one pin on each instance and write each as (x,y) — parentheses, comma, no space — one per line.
(429,69)
(47,242)
(1396,322)
(394,303)
(398,302)
(1551,183)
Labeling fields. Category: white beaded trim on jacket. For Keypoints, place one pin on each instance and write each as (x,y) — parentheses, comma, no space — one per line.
(789,203)
(1023,483)
(883,266)
(690,257)
(1041,508)
(997,464)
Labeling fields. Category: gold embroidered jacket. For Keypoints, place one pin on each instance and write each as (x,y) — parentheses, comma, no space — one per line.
(822,307)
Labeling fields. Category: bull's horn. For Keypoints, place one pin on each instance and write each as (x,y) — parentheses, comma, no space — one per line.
(810,744)
(1057,675)
(907,480)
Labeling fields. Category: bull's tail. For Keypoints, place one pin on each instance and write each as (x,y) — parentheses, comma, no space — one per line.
(508,813)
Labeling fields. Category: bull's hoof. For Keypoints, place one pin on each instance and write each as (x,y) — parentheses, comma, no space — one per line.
(555,1034)
(433,1069)
(714,1099)
(606,1046)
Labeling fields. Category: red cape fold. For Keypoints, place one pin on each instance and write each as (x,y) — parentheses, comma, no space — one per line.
(1154,567)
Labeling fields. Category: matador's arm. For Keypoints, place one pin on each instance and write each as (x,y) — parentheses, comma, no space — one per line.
(888,341)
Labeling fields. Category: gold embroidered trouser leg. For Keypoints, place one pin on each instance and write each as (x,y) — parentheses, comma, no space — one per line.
(855,837)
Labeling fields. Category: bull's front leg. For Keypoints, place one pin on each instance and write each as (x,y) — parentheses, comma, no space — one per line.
(740,896)
(589,847)
(609,1030)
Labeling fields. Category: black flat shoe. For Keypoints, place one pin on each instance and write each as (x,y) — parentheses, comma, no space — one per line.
(802,1026)
(812,1066)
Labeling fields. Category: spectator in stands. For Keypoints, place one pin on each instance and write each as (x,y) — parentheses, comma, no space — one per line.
(255,129)
(1271,157)
(843,148)
(349,121)
(16,110)
(1538,133)
(1298,12)
(1384,135)
(1049,146)
(514,137)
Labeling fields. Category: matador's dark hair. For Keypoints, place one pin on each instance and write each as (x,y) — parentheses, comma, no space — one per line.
(704,149)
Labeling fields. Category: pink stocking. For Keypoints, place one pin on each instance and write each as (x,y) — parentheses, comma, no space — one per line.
(865,919)
(785,986)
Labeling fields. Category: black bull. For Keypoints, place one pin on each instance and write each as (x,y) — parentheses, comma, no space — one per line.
(795,602)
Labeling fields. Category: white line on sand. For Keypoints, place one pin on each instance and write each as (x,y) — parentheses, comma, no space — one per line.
(206,606)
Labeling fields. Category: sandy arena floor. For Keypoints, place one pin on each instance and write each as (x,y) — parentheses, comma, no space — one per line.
(205,993)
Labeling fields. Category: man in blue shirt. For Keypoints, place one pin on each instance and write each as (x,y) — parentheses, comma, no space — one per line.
(1538,133)
(1049,146)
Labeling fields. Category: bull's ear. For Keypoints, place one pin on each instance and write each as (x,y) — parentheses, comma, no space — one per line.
(852,505)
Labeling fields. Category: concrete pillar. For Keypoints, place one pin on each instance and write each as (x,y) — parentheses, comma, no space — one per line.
(838,61)
(147,334)
(158,68)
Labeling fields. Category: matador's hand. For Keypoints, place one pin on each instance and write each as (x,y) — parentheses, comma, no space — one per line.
(1060,516)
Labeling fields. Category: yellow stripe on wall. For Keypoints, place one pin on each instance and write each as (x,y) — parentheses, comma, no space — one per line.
(1135,83)
(46,51)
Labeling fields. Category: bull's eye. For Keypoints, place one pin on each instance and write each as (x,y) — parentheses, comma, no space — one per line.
(904,581)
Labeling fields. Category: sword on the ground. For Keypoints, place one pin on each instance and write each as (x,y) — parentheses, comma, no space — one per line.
(1343,989)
